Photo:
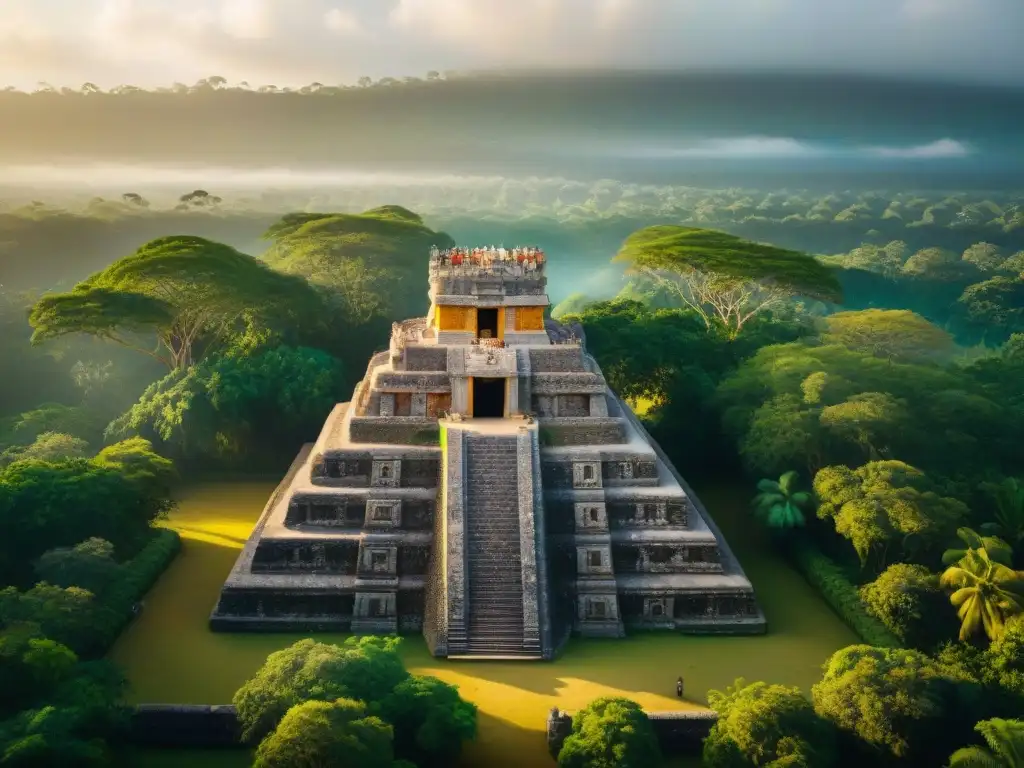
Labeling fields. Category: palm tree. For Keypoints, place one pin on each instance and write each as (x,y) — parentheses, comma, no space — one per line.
(986,594)
(1005,739)
(779,504)
(997,549)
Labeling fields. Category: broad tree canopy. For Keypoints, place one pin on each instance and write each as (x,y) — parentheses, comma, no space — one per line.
(893,334)
(191,292)
(722,277)
(374,262)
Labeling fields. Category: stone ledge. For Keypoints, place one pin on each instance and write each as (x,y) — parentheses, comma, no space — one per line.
(567,383)
(411,381)
(493,300)
(220,623)
(404,431)
(593,430)
(558,359)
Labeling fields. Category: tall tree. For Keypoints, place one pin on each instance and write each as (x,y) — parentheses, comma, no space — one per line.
(725,279)
(865,420)
(985,256)
(881,504)
(997,303)
(610,732)
(892,334)
(193,294)
(907,599)
(770,725)
(905,707)
(339,733)
(371,264)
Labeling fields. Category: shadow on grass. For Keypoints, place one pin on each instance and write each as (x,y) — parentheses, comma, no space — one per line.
(171,656)
(501,743)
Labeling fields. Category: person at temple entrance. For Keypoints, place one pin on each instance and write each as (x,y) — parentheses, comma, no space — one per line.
(679,687)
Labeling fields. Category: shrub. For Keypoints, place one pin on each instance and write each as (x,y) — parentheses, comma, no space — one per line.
(908,601)
(90,623)
(610,732)
(843,597)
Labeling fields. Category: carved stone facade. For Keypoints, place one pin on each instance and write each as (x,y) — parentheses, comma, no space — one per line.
(415,512)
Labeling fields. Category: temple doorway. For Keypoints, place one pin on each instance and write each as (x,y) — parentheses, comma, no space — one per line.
(487,323)
(488,398)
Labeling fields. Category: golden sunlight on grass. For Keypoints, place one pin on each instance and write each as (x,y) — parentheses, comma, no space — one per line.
(172,657)
(641,405)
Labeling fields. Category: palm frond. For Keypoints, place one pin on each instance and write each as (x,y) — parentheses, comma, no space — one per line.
(973,757)
(788,482)
(1005,738)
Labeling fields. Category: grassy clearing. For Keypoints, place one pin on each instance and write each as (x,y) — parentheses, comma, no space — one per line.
(171,656)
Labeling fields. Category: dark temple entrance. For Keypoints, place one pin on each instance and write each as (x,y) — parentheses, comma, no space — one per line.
(488,398)
(487,323)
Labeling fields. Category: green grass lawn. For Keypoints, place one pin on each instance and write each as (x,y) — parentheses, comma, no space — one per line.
(171,657)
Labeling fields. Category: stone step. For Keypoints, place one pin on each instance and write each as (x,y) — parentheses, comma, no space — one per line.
(512,643)
(498,615)
(494,557)
(497,631)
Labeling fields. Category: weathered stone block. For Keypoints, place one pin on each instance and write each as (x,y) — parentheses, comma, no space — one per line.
(383,513)
(586,474)
(591,516)
(386,474)
(419,404)
(594,560)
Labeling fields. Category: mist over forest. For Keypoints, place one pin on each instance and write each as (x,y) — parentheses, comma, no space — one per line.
(702,130)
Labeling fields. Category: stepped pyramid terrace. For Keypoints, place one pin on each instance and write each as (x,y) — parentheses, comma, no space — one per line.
(486,488)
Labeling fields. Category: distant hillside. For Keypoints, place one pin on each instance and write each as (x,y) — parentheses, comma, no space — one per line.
(487,123)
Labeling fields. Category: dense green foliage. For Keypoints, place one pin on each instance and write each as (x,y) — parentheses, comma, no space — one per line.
(429,719)
(321,733)
(610,733)
(89,596)
(239,405)
(193,293)
(723,278)
(883,504)
(907,599)
(840,593)
(768,725)
(115,495)
(906,437)
(892,334)
(371,264)
(900,704)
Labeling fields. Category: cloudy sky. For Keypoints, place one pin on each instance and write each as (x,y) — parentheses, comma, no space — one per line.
(293,42)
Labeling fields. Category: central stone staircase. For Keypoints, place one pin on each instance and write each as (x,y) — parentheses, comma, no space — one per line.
(495,590)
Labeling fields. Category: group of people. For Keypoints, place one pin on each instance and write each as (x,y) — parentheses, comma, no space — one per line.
(529,258)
